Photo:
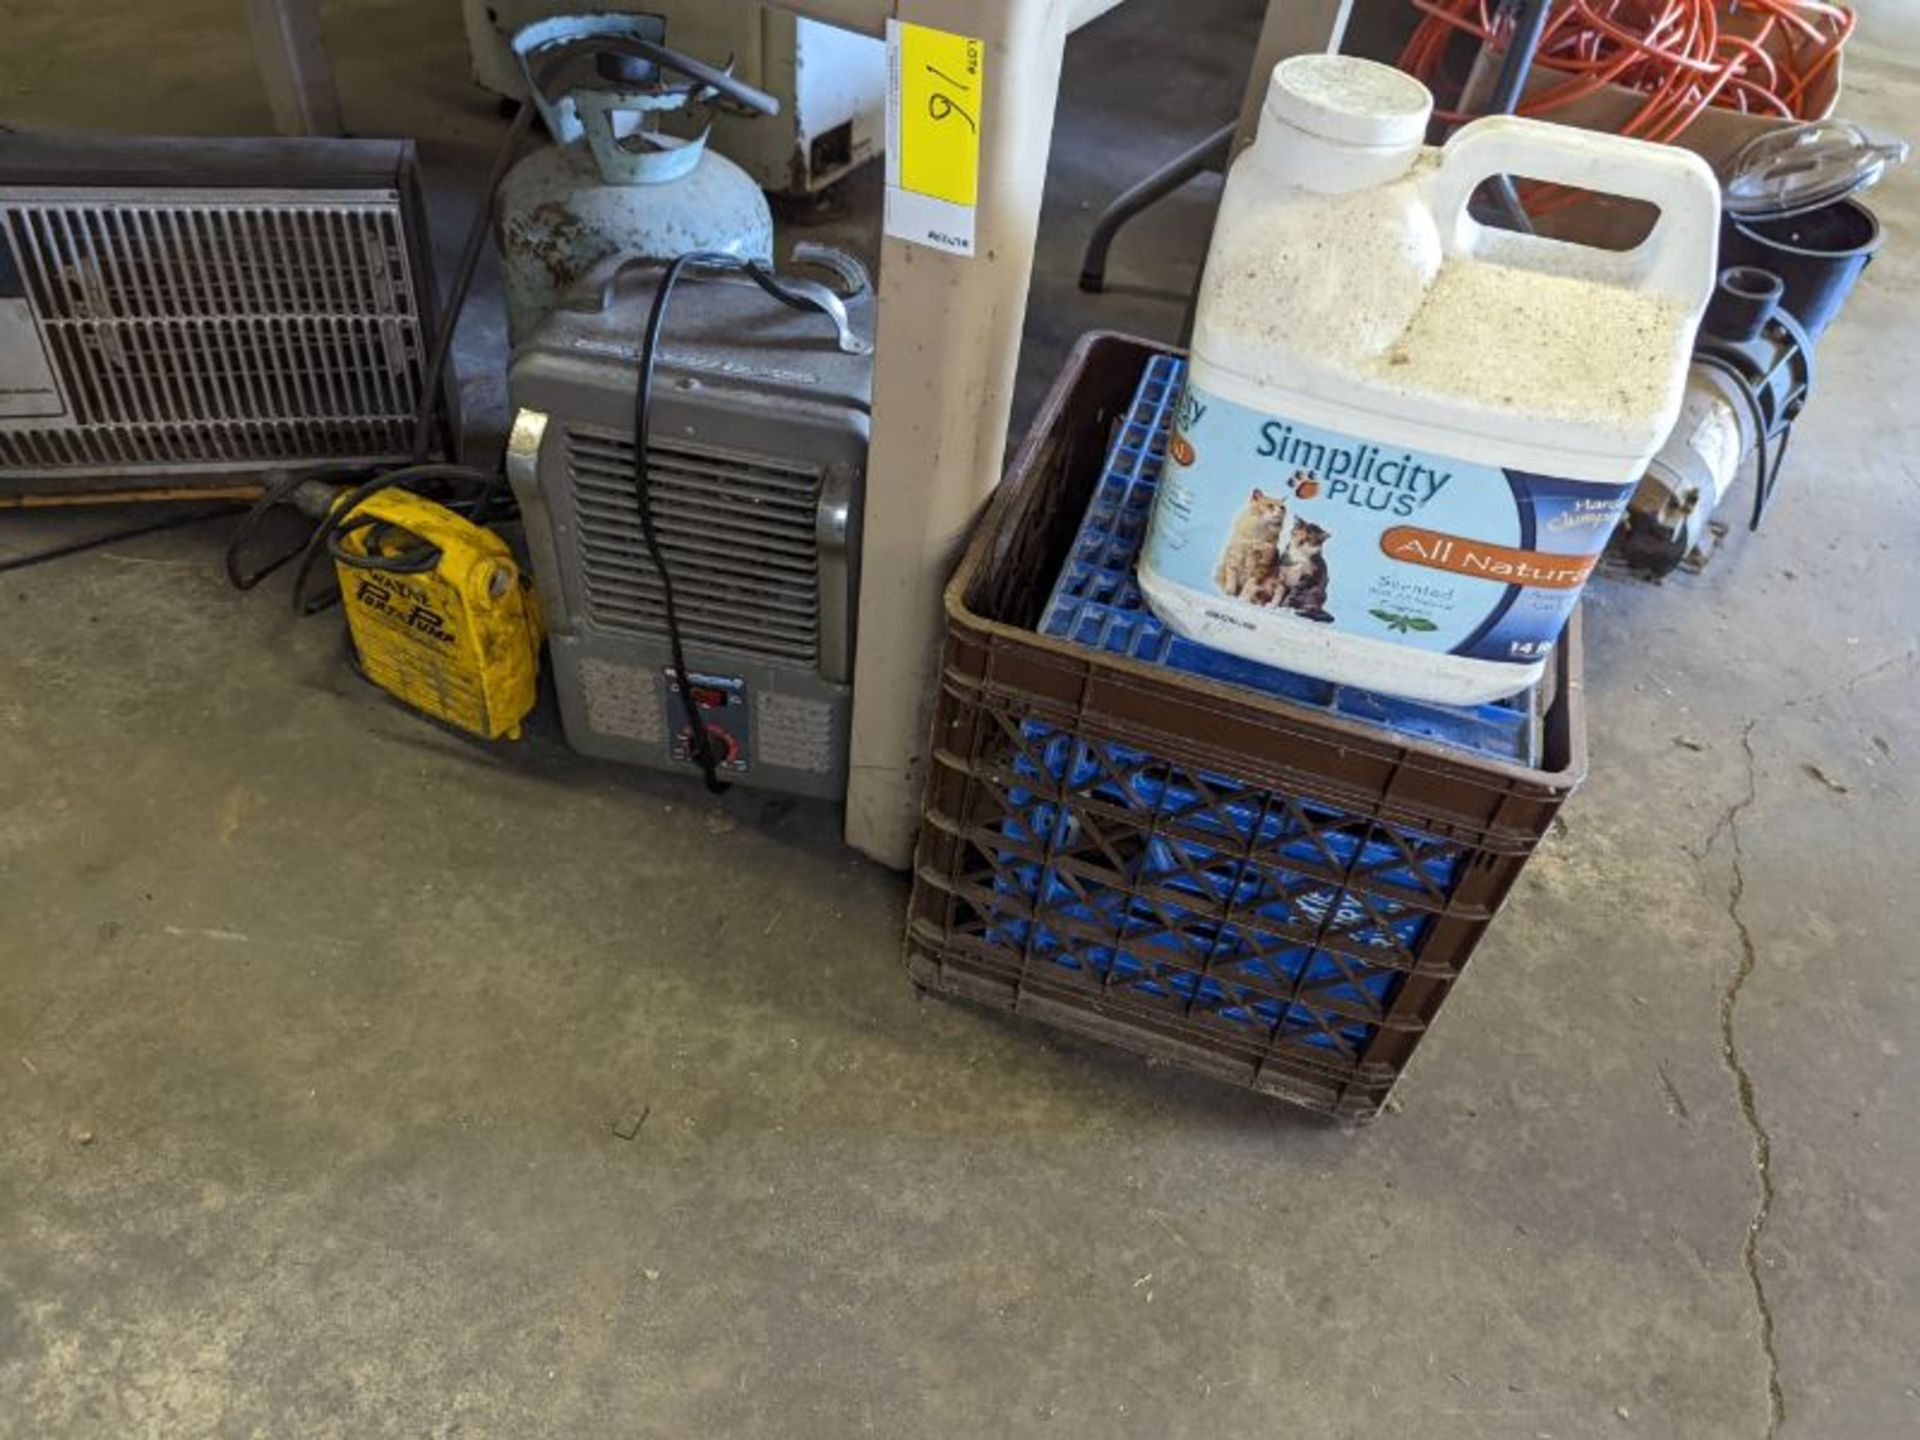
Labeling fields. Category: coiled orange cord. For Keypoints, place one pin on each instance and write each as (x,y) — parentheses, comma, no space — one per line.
(1681,54)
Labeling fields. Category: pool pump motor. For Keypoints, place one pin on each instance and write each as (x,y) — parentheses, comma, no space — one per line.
(1752,373)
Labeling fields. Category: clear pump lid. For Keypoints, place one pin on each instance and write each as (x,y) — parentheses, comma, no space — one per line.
(1803,167)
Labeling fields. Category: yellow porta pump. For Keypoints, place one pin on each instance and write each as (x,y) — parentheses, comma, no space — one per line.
(441,615)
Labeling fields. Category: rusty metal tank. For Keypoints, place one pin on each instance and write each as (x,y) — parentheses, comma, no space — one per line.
(614,182)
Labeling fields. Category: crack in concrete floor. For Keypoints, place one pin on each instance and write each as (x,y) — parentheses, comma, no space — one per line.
(1743,1085)
(1729,825)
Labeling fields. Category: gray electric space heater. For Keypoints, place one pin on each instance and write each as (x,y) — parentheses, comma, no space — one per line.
(759,447)
(187,312)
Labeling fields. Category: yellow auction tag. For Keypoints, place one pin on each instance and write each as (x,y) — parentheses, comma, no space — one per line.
(940,90)
(936,95)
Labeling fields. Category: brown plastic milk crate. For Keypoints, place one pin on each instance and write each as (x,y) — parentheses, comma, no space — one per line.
(1199,872)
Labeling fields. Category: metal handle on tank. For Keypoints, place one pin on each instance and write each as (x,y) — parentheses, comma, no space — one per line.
(547,47)
(789,290)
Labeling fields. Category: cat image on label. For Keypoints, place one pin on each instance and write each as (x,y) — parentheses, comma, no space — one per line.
(1251,558)
(1301,572)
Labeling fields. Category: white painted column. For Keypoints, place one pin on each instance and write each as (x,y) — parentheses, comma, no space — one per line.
(946,352)
(292,55)
(1292,27)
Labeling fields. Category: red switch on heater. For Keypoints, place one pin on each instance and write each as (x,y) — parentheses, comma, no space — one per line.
(725,744)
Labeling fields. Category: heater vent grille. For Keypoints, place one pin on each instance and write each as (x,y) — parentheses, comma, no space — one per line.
(738,531)
(217,332)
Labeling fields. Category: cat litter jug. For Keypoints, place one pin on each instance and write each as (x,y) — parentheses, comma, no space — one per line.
(1406,437)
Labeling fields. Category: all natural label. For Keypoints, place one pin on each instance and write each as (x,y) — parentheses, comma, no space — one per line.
(1275,521)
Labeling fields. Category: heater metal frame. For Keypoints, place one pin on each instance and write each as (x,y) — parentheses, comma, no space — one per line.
(760,433)
(211,309)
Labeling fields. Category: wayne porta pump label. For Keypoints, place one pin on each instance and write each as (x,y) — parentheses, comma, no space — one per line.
(1275,521)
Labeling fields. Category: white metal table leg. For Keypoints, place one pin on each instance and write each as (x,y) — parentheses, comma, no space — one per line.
(288,47)
(1292,27)
(948,346)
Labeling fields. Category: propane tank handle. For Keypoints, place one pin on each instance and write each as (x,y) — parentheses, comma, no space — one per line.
(543,59)
(747,98)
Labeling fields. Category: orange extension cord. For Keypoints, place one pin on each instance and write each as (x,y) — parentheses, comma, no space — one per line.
(1681,54)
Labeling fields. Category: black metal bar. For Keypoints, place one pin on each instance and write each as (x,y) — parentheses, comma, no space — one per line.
(1209,154)
(1529,24)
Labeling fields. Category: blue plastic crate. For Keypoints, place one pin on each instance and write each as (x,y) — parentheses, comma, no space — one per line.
(1096,602)
(1278,918)
(1102,862)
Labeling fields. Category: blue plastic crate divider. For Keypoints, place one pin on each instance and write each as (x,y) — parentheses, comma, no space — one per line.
(1307,833)
(1242,974)
(1097,603)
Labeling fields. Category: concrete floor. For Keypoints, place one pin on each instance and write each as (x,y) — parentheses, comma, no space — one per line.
(316,1025)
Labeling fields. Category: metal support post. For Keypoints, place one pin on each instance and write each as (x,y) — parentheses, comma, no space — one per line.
(292,56)
(948,345)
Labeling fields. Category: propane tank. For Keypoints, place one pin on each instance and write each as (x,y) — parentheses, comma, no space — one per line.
(613,182)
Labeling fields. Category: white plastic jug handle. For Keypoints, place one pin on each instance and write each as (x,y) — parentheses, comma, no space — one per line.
(1677,258)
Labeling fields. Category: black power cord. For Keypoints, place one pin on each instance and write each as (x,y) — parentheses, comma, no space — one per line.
(699,741)
(417,470)
(278,492)
(1766,466)
(419,558)
(94,542)
(1529,22)
(341,516)
(463,280)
